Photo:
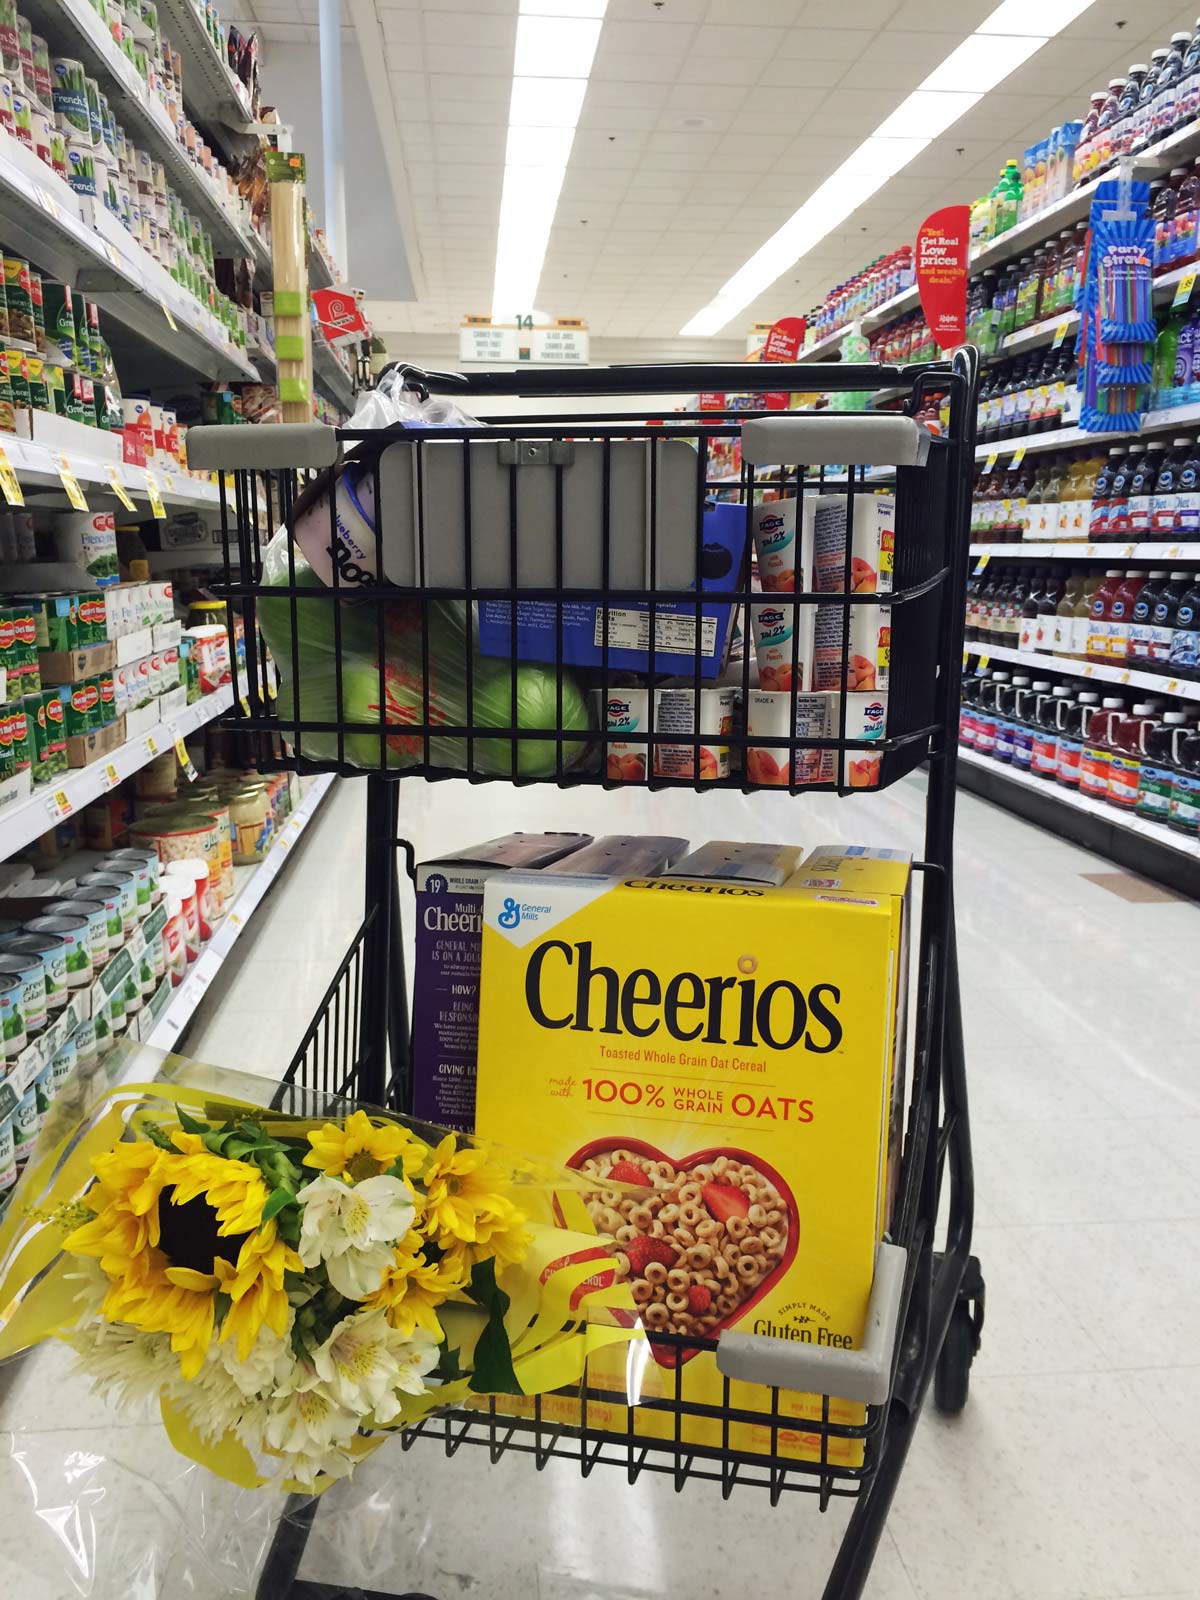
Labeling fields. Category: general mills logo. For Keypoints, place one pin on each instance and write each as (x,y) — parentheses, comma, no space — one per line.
(436,883)
(510,917)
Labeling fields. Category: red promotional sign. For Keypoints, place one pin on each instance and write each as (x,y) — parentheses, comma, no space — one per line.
(710,400)
(776,400)
(339,315)
(942,245)
(785,340)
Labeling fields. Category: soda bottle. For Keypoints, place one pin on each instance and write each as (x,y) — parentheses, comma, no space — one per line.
(1141,622)
(1166,93)
(1165,348)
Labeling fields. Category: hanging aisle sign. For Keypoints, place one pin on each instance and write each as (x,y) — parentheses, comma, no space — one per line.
(562,343)
(942,245)
(340,314)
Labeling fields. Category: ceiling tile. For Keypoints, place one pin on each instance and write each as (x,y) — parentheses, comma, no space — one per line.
(621,67)
(796,73)
(864,14)
(470,58)
(923,49)
(821,44)
(742,40)
(461,86)
(495,32)
(721,69)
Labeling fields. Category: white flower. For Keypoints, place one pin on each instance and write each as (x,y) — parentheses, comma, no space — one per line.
(214,1404)
(123,1363)
(364,1362)
(303,1418)
(354,1230)
(266,1367)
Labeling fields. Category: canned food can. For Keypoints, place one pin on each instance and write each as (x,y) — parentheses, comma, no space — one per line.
(73,931)
(62,622)
(123,882)
(25,51)
(18,298)
(44,1090)
(22,107)
(77,699)
(95,705)
(26,1124)
(22,744)
(63,1064)
(30,973)
(145,875)
(53,955)
(56,739)
(58,151)
(95,914)
(37,294)
(95,127)
(10,42)
(81,168)
(7,120)
(18,377)
(108,699)
(35,716)
(39,394)
(43,134)
(56,385)
(85,1044)
(36,605)
(43,79)
(109,896)
(60,317)
(8,1155)
(12,1015)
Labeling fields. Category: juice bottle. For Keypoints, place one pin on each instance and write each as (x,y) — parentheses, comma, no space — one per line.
(1008,198)
(1184,815)
(1095,759)
(1187,501)
(1087,136)
(1117,524)
(1045,734)
(1187,96)
(987,720)
(1126,117)
(968,704)
(1141,490)
(1027,285)
(1048,284)
(1158,766)
(1047,612)
(993,500)
(1098,625)
(1027,619)
(1035,502)
(1164,618)
(1104,127)
(1166,94)
(1081,622)
(1064,612)
(971,607)
(1187,216)
(1024,700)
(1165,348)
(1164,507)
(1014,381)
(1141,622)
(1073,715)
(1018,499)
(1183,660)
(1162,210)
(1128,740)
(1005,729)
(1143,116)
(1102,494)
(1120,615)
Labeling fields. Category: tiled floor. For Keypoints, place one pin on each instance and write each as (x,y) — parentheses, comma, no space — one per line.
(1074,1473)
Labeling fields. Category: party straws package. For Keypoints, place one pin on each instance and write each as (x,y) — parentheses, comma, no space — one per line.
(1115,302)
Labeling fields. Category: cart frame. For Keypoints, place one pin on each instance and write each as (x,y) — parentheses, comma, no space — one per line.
(358,1041)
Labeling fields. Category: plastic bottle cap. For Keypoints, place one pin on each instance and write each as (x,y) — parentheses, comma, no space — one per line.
(1020,682)
(1142,710)
(1174,717)
(1180,444)
(1176,575)
(1087,697)
(1158,574)
(1112,572)
(1040,685)
(1061,689)
(1112,702)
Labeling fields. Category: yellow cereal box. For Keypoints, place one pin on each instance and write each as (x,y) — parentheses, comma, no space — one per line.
(728,1046)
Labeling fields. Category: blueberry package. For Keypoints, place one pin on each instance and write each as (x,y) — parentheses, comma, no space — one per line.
(446,977)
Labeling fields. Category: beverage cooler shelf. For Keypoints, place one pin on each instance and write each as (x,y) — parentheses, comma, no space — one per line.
(1156,682)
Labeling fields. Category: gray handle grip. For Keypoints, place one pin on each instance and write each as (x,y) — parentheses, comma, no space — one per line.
(281,444)
(863,1375)
(819,438)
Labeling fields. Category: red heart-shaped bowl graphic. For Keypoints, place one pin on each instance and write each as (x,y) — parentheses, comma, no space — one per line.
(670,1356)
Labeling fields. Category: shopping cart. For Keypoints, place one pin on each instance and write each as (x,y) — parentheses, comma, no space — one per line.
(518,529)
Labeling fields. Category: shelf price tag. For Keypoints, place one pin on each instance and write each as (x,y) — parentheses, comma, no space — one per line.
(8,481)
(110,777)
(174,326)
(58,805)
(982,663)
(170,482)
(245,705)
(156,504)
(980,564)
(1183,289)
(70,483)
(185,760)
(118,488)
(151,745)
(990,463)
(1060,333)
(1017,457)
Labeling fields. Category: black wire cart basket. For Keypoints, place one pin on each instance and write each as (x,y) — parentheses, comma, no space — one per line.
(535,599)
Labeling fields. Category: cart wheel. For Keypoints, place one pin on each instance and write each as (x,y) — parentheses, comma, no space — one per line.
(952,1376)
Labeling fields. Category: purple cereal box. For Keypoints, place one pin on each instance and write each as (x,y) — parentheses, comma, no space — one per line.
(446,973)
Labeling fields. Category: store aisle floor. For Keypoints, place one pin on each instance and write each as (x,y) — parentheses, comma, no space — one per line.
(1073,1474)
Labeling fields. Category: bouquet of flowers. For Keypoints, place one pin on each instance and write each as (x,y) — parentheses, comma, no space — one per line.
(292,1288)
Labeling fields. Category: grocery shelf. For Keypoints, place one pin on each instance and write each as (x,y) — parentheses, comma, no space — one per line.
(1151,682)
(1063,438)
(81,33)
(252,884)
(1030,549)
(319,275)
(26,820)
(36,466)
(329,375)
(1059,794)
(211,93)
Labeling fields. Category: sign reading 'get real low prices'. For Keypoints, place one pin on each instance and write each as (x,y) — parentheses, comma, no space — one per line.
(942,247)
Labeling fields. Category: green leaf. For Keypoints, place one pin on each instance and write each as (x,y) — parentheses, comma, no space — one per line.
(189,1124)
(276,1201)
(449,1369)
(288,1224)
(158,1137)
(493,1372)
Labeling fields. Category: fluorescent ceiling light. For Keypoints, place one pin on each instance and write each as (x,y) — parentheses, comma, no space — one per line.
(546,102)
(925,115)
(983,61)
(555,47)
(539,147)
(556,43)
(949,91)
(1045,17)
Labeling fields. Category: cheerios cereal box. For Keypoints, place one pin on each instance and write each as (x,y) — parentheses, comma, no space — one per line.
(718,1054)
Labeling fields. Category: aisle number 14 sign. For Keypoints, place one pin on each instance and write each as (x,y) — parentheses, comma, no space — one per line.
(562,343)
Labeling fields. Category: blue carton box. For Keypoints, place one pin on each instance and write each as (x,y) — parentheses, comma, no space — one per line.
(721,563)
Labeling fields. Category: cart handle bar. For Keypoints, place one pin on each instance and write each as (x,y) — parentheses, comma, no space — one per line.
(688,377)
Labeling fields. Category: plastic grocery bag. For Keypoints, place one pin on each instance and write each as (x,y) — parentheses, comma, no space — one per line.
(335,647)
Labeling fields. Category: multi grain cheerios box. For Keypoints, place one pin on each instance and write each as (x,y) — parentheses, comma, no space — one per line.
(730,1047)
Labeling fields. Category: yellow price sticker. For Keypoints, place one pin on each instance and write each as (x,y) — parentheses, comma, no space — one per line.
(983,661)
(156,504)
(111,776)
(185,760)
(70,483)
(119,489)
(170,482)
(1183,289)
(8,481)
(174,326)
(151,745)
(245,705)
(1017,457)
(991,461)
(1060,333)
(982,562)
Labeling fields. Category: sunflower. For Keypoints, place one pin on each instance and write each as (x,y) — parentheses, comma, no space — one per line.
(412,1288)
(364,1149)
(166,1262)
(465,1210)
